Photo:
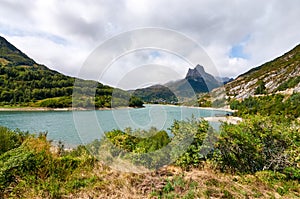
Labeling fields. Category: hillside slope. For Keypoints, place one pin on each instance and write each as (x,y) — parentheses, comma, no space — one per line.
(23,82)
(156,94)
(281,75)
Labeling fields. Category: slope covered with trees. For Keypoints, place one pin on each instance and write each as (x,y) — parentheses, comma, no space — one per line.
(156,94)
(23,82)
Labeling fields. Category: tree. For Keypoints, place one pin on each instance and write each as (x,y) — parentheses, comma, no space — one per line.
(135,102)
(261,88)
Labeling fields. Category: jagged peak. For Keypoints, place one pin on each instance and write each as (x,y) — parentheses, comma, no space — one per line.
(199,68)
(198,71)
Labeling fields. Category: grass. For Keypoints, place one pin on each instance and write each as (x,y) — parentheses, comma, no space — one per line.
(91,179)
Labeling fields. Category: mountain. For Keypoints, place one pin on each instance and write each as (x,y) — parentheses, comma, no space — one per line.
(281,75)
(11,56)
(202,79)
(224,80)
(156,94)
(196,81)
(23,82)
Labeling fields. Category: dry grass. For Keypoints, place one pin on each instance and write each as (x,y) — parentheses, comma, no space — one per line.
(173,182)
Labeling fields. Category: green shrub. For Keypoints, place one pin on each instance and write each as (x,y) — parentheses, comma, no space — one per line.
(33,167)
(191,142)
(11,139)
(134,146)
(135,102)
(129,141)
(292,173)
(196,131)
(271,105)
(290,83)
(60,102)
(256,144)
(261,88)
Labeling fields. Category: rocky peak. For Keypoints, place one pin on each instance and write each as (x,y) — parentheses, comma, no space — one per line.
(195,73)
(198,74)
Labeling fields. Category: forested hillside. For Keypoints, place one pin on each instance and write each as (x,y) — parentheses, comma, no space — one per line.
(23,82)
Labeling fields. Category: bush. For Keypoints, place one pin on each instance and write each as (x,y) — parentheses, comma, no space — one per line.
(256,144)
(292,173)
(133,146)
(11,139)
(135,102)
(189,145)
(198,131)
(271,105)
(25,163)
(60,102)
(290,83)
(261,88)
(33,168)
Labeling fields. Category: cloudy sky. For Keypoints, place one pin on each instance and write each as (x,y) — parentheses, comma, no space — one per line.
(236,34)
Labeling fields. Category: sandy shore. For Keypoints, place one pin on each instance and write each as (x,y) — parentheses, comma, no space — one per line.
(212,108)
(204,108)
(26,109)
(228,119)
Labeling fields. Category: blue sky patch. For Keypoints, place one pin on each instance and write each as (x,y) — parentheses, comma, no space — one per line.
(21,33)
(155,53)
(237,50)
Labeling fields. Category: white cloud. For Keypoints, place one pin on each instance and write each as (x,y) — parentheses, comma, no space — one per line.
(149,67)
(61,34)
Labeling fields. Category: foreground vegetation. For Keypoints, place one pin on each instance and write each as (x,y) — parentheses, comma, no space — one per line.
(257,158)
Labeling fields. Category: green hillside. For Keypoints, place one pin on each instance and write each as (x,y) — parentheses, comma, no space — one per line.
(156,94)
(26,83)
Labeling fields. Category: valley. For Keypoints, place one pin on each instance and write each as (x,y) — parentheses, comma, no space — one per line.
(159,151)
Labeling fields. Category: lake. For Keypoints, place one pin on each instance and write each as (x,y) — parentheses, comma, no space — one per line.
(81,127)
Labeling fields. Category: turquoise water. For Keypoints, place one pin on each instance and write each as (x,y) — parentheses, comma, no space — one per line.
(80,127)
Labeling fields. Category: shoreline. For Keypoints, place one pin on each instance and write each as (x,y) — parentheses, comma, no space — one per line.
(212,108)
(41,109)
(228,119)
(8,109)
(197,107)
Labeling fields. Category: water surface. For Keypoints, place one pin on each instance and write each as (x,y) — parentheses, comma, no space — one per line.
(80,127)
